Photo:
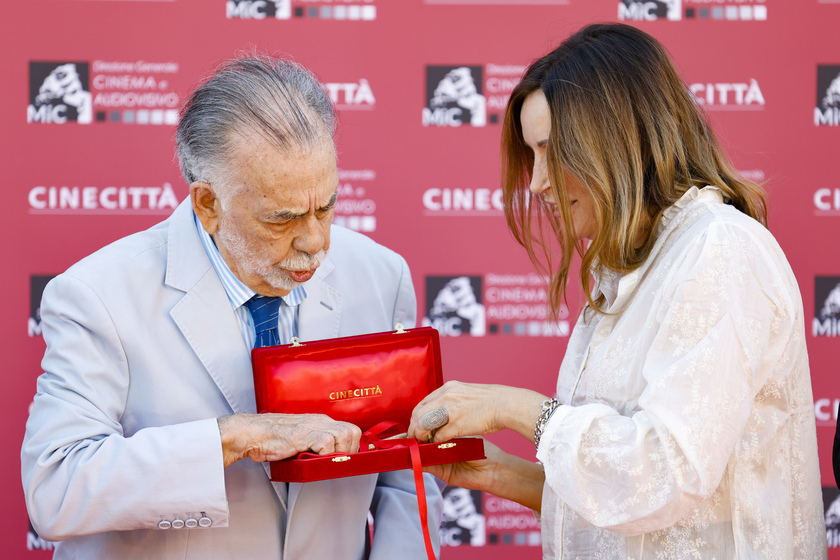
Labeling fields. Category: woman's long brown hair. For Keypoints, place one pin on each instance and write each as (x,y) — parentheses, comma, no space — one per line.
(626,127)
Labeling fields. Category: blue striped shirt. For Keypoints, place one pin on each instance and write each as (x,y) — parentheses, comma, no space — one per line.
(238,293)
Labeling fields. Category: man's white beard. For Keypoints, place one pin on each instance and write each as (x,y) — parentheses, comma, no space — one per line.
(254,261)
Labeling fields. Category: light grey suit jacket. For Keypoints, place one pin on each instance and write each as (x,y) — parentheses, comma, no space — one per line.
(143,354)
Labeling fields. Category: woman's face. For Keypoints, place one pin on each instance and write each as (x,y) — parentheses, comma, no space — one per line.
(536,124)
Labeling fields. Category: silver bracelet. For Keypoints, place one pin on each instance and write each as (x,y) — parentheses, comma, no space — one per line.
(548,408)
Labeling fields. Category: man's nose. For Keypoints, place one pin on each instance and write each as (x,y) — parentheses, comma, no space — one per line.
(311,235)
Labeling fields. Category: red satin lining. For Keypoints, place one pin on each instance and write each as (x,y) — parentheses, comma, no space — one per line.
(376,437)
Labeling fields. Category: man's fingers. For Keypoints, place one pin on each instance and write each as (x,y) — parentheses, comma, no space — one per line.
(273,437)
(322,443)
(334,437)
(347,439)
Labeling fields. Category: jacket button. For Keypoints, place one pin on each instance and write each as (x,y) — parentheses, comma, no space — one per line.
(177,523)
(164,524)
(190,523)
(204,521)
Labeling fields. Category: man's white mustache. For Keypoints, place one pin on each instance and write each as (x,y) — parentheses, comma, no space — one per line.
(304,261)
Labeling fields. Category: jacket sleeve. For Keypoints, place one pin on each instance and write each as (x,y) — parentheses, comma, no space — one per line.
(80,472)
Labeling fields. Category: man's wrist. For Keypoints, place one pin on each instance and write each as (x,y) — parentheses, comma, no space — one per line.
(227,434)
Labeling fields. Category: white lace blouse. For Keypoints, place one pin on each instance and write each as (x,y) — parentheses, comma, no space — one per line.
(690,431)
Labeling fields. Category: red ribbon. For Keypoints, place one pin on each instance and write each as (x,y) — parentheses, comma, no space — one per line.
(376,436)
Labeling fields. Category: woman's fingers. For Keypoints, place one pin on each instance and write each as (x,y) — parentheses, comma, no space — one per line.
(467,408)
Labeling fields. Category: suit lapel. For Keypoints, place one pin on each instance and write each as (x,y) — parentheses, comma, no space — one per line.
(213,333)
(204,314)
(319,315)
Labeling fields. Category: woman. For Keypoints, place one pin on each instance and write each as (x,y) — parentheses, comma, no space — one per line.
(683,425)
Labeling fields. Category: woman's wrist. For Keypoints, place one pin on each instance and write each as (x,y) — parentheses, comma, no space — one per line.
(519,409)
(549,406)
(519,480)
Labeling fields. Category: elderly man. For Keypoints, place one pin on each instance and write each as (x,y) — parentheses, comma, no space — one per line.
(142,440)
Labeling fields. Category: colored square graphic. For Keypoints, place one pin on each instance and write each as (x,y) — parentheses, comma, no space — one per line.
(826,290)
(368,223)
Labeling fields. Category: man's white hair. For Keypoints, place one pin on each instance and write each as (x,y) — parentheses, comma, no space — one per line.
(253,97)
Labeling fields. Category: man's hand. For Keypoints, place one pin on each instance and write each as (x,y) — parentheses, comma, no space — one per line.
(272,437)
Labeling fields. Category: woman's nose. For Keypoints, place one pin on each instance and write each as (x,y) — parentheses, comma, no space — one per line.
(539,177)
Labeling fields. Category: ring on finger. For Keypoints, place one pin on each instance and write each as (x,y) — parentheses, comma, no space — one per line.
(434,419)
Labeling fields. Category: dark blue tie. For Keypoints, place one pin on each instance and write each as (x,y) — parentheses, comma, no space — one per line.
(264,311)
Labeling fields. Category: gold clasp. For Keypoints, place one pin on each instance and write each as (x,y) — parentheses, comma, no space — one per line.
(341,459)
(296,341)
(399,328)
(447,445)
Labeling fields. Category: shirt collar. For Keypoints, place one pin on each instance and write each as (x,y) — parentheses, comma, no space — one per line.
(612,284)
(237,292)
(607,284)
(685,200)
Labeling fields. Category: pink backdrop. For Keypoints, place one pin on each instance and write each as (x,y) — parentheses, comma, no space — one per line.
(418,175)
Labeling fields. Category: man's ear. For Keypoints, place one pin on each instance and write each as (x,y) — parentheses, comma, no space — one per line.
(206,205)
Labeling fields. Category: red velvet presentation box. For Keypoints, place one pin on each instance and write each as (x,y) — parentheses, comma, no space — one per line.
(373,381)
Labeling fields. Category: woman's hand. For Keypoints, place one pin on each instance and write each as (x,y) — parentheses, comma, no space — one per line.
(500,473)
(472,475)
(476,409)
(471,408)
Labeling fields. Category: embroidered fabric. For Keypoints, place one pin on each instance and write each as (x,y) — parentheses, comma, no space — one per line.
(692,432)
